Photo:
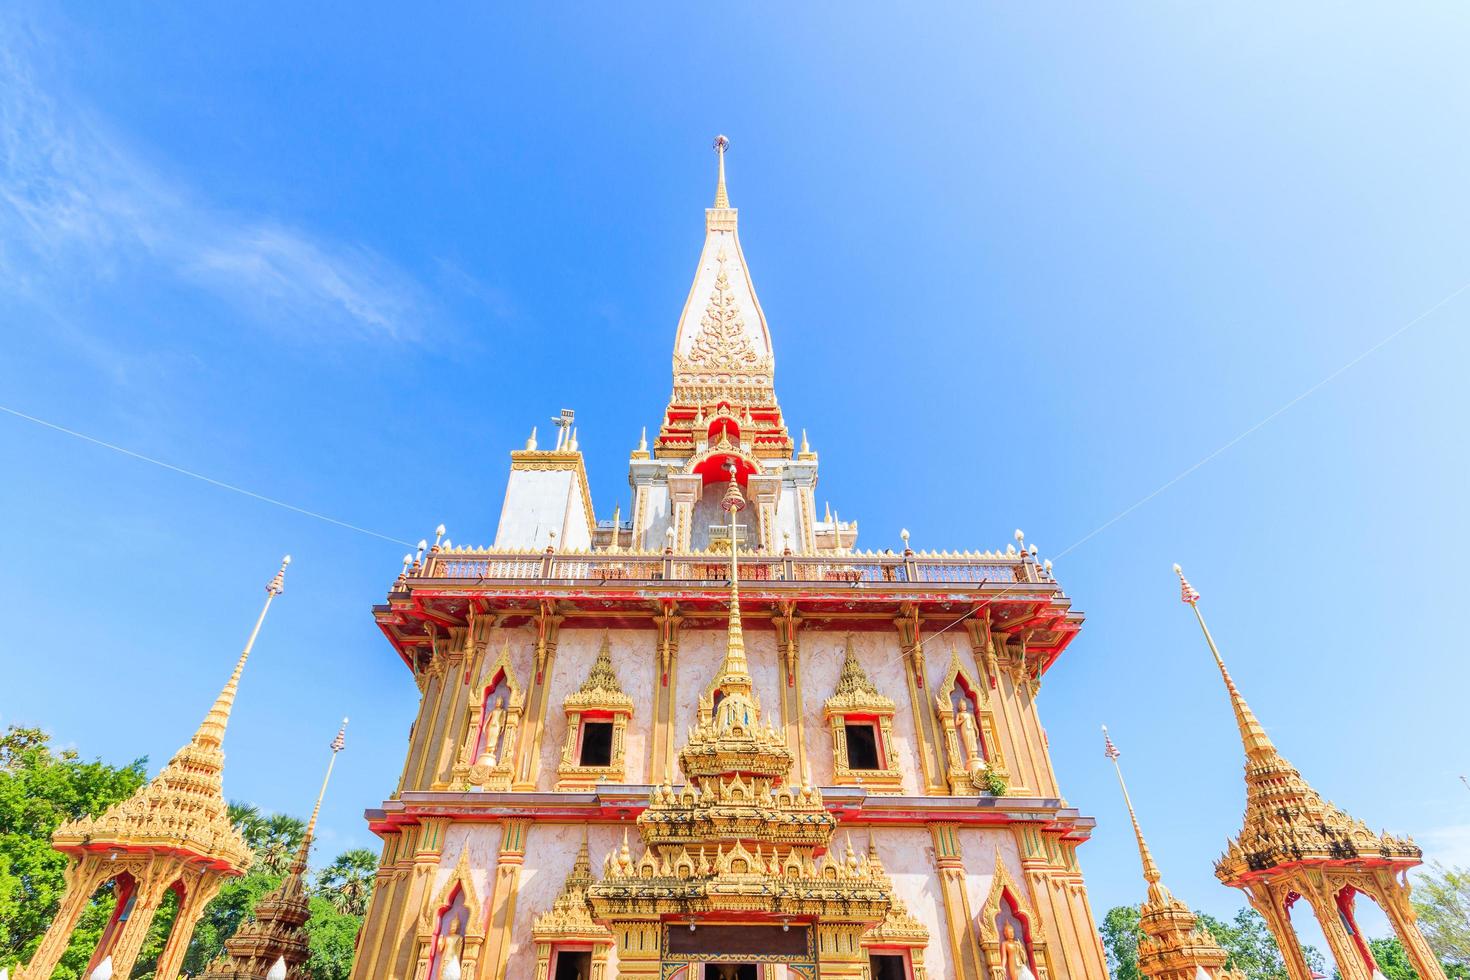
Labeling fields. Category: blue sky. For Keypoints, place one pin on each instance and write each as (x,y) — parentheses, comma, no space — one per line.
(1021,269)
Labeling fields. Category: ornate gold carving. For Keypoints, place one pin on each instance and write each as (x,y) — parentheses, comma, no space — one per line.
(721,344)
(973,751)
(899,930)
(487,757)
(600,698)
(569,921)
(736,837)
(857,701)
(1004,892)
(460,882)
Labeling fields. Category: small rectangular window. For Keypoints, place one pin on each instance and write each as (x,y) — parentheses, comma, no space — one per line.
(596,743)
(573,966)
(885,966)
(862,746)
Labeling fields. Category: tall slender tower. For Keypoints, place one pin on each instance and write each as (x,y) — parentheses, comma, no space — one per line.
(174,834)
(1172,944)
(1295,846)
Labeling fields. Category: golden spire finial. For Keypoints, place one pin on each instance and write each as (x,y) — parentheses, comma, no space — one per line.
(722,199)
(1157,893)
(211,731)
(336,746)
(1253,736)
(735,663)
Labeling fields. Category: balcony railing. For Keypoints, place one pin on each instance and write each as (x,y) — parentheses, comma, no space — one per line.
(911,568)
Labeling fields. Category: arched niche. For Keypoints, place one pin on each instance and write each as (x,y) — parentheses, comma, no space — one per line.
(456,903)
(972,751)
(487,757)
(1006,906)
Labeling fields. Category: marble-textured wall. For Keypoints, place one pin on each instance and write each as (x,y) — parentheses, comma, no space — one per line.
(908,856)
(535,505)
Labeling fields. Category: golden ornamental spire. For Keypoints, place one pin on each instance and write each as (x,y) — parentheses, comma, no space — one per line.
(1286,821)
(722,199)
(1258,747)
(735,665)
(211,731)
(181,810)
(1157,893)
(336,746)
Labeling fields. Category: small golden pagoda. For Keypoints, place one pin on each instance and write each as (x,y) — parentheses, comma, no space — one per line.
(1295,845)
(277,930)
(1172,945)
(173,835)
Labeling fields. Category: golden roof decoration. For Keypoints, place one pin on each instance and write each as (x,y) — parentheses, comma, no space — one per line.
(601,689)
(182,809)
(855,692)
(1286,820)
(570,917)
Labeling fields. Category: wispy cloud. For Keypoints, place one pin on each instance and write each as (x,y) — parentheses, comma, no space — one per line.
(1447,845)
(79,205)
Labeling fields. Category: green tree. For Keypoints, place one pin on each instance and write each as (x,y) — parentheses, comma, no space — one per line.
(1251,947)
(332,936)
(1246,941)
(1441,898)
(347,883)
(1393,961)
(248,821)
(39,790)
(1120,942)
(280,839)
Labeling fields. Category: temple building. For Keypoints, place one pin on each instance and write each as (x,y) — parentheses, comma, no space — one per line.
(715,739)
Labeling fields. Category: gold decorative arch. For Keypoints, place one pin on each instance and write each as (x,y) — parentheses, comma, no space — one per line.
(469,770)
(967,777)
(460,881)
(1003,889)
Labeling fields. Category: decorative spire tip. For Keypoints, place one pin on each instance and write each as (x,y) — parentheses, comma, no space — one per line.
(722,199)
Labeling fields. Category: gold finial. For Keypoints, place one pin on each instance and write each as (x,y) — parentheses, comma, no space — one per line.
(1157,893)
(734,501)
(1258,746)
(212,730)
(337,744)
(722,199)
(531,442)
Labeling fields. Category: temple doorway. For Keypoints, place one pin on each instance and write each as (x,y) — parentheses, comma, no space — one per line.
(732,971)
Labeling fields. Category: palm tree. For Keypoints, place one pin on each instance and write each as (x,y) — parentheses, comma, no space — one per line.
(281,836)
(347,883)
(248,821)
